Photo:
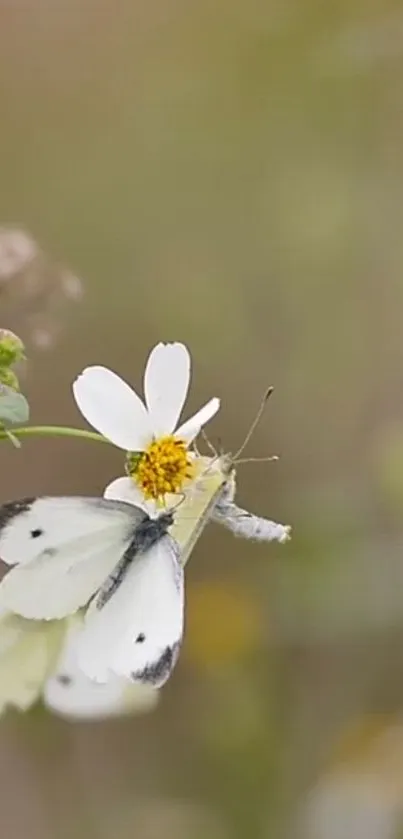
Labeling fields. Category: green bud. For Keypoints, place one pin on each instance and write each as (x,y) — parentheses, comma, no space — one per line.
(11,348)
(132,462)
(8,378)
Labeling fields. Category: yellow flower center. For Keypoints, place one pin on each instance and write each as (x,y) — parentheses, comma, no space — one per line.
(163,467)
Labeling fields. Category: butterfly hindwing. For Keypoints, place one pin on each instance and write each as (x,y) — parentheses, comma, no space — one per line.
(138,632)
(69,693)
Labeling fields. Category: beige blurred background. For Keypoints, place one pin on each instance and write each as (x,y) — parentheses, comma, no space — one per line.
(227,174)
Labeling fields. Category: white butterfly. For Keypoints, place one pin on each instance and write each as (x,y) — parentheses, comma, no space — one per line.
(70,550)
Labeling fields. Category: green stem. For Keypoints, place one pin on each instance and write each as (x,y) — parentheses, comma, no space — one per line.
(54,431)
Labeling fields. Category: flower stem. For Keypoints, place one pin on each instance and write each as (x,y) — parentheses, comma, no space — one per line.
(53,431)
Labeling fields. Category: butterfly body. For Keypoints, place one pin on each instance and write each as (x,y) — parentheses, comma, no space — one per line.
(145,535)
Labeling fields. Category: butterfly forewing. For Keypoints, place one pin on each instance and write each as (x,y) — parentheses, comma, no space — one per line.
(63,548)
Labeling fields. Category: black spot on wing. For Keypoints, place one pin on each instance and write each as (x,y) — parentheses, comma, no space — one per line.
(158,672)
(37,532)
(140,638)
(49,552)
(64,679)
(12,509)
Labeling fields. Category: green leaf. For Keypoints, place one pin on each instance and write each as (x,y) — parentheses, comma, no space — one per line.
(14,408)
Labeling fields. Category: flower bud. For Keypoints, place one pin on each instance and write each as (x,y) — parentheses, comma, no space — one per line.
(11,348)
(8,378)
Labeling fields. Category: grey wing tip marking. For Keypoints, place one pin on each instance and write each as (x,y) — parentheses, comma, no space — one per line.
(64,679)
(11,509)
(112,504)
(177,556)
(156,674)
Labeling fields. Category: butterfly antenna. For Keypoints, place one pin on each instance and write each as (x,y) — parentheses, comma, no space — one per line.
(220,448)
(255,423)
(208,444)
(182,498)
(258,459)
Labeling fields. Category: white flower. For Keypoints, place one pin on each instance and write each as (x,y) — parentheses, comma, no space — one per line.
(111,406)
(207,477)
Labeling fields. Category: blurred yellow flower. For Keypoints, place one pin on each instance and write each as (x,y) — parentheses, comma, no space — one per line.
(388,465)
(356,745)
(223,623)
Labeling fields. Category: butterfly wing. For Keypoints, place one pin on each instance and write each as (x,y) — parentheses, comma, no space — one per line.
(137,634)
(28,652)
(63,549)
(192,515)
(69,693)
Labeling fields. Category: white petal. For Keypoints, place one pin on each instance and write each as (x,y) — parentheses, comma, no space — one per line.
(191,428)
(166,383)
(125,489)
(111,406)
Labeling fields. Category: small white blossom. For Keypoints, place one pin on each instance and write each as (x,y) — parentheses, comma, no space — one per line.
(113,408)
